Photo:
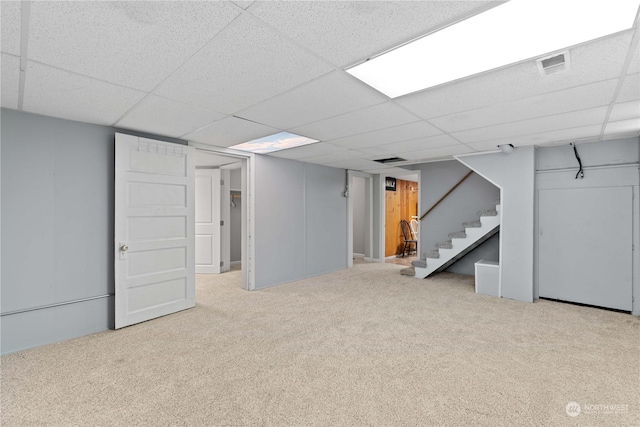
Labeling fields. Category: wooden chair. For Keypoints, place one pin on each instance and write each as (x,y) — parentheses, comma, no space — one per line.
(414,228)
(408,239)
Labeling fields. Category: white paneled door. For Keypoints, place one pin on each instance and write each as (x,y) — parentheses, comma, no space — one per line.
(212,221)
(208,221)
(154,229)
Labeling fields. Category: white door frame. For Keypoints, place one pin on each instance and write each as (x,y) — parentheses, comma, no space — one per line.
(368,252)
(248,208)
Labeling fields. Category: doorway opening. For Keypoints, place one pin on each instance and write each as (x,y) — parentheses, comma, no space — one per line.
(223,213)
(401,203)
(360,217)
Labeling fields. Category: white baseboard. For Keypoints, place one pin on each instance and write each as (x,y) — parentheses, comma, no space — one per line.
(367,259)
(358,255)
(235,262)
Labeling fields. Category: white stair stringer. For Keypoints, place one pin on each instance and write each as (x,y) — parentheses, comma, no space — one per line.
(461,246)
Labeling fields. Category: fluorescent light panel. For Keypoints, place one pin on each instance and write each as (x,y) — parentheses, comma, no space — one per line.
(276,142)
(505,34)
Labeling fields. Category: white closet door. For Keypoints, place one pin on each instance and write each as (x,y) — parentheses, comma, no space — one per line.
(154,229)
(585,243)
(208,230)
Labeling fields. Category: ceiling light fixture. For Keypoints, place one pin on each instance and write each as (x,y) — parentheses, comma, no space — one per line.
(507,148)
(276,142)
(506,34)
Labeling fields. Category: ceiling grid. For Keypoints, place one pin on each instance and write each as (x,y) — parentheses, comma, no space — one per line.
(223,73)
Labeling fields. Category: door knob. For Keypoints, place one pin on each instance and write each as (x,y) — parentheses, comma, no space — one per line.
(124,248)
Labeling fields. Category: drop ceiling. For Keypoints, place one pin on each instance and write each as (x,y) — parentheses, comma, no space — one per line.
(222,73)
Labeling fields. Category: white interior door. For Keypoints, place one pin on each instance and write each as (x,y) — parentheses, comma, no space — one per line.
(208,194)
(154,229)
(585,242)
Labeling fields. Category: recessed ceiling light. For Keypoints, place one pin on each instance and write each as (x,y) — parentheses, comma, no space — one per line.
(276,142)
(509,33)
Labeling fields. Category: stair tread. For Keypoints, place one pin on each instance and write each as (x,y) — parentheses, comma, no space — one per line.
(444,245)
(487,212)
(472,224)
(421,263)
(458,235)
(409,271)
(433,254)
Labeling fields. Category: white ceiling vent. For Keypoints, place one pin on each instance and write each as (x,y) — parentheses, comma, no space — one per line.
(555,63)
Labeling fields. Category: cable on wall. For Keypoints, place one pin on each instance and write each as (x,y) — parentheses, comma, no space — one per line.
(580,171)
(346,184)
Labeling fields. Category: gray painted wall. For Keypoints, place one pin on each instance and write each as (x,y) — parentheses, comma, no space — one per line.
(235,221)
(57,228)
(488,251)
(326,219)
(515,174)
(475,194)
(236,179)
(301,220)
(607,164)
(235,227)
(357,191)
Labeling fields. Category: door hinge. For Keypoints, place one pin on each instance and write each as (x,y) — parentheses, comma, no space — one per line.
(221,223)
(221,263)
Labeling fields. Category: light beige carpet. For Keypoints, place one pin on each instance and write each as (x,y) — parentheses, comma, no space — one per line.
(358,347)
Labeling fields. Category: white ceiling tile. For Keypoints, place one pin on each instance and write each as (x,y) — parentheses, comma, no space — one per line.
(136,44)
(355,164)
(634,67)
(344,32)
(366,120)
(335,157)
(243,4)
(311,150)
(230,131)
(572,99)
(243,65)
(53,92)
(555,137)
(10,28)
(419,129)
(207,158)
(413,145)
(623,127)
(541,124)
(630,88)
(592,62)
(392,171)
(330,95)
(165,117)
(625,111)
(436,153)
(10,75)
